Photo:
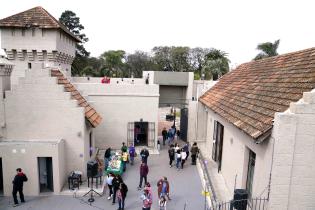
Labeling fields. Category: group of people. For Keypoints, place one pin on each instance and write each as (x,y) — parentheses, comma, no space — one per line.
(170,135)
(117,188)
(180,155)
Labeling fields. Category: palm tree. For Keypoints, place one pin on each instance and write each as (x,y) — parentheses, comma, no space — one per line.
(267,49)
(216,64)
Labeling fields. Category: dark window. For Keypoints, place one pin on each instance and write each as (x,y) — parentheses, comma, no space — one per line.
(217,145)
(29,65)
(13,31)
(250,173)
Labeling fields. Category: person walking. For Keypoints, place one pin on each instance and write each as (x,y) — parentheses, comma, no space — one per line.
(132,153)
(17,182)
(146,200)
(116,183)
(194,152)
(163,188)
(121,195)
(164,134)
(144,170)
(107,157)
(109,183)
(183,155)
(162,203)
(178,134)
(144,155)
(178,159)
(171,155)
(186,149)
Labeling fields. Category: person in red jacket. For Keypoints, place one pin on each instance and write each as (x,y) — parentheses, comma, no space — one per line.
(163,188)
(144,170)
(19,178)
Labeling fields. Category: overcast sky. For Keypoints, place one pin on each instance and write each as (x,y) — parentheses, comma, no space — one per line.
(234,26)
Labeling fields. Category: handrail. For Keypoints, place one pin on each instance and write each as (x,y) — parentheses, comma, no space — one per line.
(208,183)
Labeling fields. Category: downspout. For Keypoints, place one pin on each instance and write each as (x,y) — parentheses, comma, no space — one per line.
(270,174)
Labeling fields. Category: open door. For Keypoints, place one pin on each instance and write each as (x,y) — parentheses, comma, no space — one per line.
(1,178)
(45,174)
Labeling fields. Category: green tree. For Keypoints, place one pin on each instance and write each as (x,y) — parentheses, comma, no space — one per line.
(216,64)
(138,62)
(197,60)
(72,22)
(114,63)
(180,59)
(162,58)
(267,49)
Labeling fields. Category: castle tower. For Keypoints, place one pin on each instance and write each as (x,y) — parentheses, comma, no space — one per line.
(34,38)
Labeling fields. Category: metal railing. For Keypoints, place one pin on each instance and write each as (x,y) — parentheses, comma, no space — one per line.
(208,184)
(246,204)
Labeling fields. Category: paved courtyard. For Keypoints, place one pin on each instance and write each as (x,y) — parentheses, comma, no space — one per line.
(185,187)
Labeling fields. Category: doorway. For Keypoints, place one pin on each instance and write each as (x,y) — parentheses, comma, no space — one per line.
(250,173)
(217,146)
(45,174)
(1,178)
(141,133)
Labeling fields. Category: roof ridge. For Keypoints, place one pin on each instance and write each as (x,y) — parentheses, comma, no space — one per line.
(277,56)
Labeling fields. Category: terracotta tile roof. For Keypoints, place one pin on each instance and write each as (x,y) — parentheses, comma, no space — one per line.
(90,113)
(36,17)
(250,95)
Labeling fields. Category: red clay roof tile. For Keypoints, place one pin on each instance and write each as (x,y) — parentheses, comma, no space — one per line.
(90,113)
(36,17)
(250,95)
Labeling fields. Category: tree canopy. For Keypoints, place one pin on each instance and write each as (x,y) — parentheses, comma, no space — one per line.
(267,49)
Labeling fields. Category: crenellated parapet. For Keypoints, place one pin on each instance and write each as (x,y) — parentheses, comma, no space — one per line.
(41,56)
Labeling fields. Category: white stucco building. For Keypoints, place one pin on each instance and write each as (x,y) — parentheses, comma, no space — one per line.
(257,124)
(46,124)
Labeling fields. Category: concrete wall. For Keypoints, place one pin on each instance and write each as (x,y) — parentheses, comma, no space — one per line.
(172,95)
(29,42)
(118,105)
(201,86)
(171,78)
(137,81)
(44,47)
(24,154)
(293,171)
(38,108)
(236,146)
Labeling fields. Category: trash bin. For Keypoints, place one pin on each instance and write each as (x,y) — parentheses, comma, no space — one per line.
(240,199)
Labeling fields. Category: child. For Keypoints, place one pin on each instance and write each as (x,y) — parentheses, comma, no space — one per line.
(178,159)
(162,203)
(158,145)
(183,156)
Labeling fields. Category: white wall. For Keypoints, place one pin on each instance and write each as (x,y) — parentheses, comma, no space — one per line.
(235,155)
(39,108)
(118,105)
(137,81)
(29,42)
(24,154)
(293,171)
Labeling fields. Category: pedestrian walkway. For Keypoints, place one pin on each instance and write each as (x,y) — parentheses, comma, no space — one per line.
(185,189)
